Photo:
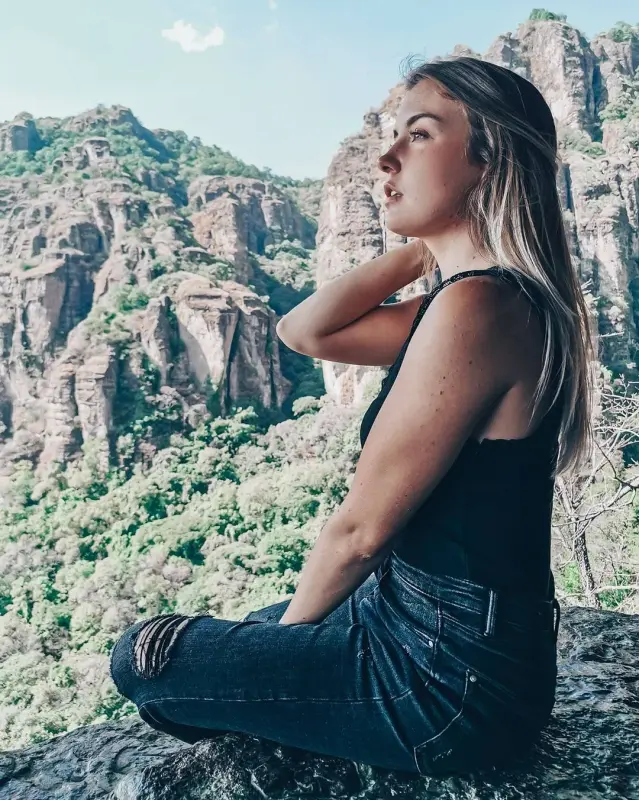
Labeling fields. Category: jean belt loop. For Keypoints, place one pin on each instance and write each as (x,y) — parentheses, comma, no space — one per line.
(380,571)
(490,616)
(555,605)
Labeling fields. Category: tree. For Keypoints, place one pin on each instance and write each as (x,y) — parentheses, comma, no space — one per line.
(599,496)
(541,13)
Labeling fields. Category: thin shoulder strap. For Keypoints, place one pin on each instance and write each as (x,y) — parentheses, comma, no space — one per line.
(553,414)
(467,273)
(510,275)
(429,296)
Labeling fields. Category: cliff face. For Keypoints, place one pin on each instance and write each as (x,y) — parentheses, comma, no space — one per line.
(591,88)
(125,253)
(118,261)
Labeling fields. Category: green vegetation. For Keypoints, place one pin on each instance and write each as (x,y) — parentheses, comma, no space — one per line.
(171,155)
(180,506)
(572,139)
(218,521)
(195,158)
(541,14)
(610,598)
(130,298)
(623,32)
(624,110)
(626,105)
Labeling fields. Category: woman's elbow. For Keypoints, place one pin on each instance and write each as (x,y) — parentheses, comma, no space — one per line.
(292,340)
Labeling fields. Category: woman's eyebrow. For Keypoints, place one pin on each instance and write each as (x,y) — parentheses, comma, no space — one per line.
(417,116)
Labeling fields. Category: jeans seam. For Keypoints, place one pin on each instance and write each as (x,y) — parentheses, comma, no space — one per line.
(465,581)
(277,700)
(454,719)
(463,607)
(489,630)
(477,633)
(474,631)
(435,597)
(434,639)
(414,586)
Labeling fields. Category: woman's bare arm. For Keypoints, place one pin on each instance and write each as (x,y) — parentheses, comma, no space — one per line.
(345,320)
(374,339)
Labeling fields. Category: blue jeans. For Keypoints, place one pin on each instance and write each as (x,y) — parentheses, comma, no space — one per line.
(421,673)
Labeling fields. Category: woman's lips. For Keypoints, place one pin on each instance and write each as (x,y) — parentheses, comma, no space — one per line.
(392,200)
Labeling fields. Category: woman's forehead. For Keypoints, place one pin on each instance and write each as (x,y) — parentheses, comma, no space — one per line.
(427,96)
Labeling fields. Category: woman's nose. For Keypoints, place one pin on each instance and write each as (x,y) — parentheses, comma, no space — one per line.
(383,163)
(387,160)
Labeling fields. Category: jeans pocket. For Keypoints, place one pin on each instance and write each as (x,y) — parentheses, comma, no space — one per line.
(417,630)
(447,752)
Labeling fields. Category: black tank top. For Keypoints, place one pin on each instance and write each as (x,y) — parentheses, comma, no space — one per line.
(488,520)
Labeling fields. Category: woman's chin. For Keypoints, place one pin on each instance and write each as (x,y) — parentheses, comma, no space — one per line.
(403,223)
(399,226)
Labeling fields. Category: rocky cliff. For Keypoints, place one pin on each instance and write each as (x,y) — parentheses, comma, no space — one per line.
(123,270)
(592,88)
(96,207)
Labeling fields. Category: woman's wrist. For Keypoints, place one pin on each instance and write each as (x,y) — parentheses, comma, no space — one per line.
(341,300)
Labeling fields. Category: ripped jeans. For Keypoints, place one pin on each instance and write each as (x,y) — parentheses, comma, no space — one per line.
(420,673)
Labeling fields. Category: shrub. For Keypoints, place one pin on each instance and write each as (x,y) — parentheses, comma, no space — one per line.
(130,298)
(623,32)
(541,13)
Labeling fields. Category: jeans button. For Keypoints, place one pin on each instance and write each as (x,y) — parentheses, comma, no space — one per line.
(473,678)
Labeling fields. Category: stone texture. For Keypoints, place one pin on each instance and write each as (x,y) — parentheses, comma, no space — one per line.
(235,216)
(20,134)
(230,337)
(86,229)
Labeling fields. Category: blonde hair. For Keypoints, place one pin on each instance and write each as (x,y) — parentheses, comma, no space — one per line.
(515,220)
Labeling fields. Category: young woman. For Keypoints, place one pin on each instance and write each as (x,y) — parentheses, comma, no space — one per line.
(422,634)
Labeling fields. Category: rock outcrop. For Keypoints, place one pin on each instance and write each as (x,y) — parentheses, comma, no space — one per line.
(19,135)
(587,86)
(235,216)
(588,749)
(106,248)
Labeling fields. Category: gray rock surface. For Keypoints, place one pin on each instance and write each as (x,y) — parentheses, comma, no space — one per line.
(87,227)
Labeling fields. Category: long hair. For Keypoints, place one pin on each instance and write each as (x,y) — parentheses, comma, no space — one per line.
(515,220)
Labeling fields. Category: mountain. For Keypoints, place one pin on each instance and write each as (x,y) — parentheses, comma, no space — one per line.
(160,451)
(137,263)
(159,447)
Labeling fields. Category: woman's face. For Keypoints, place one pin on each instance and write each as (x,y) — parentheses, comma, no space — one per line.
(426,163)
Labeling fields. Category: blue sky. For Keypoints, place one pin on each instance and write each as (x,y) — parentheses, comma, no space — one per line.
(279,83)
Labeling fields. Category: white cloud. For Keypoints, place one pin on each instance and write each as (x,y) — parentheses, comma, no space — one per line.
(190,39)
(272,4)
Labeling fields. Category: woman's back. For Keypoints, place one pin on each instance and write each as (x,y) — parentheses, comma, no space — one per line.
(489,518)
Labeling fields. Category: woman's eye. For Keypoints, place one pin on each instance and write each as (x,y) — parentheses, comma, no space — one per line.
(419,133)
